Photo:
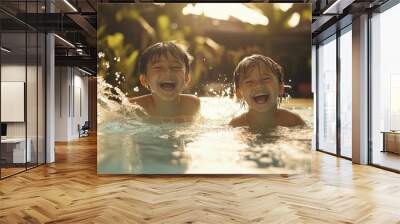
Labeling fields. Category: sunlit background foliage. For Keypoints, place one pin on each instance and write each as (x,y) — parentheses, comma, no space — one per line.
(218,36)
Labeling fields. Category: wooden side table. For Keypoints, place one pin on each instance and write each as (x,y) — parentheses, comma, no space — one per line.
(391,141)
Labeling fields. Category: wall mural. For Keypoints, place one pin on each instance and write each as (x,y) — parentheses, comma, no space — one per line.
(204,88)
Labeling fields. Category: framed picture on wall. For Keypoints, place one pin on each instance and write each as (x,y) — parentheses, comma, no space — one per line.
(12,101)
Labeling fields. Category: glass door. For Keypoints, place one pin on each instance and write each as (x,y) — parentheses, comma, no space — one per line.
(326,99)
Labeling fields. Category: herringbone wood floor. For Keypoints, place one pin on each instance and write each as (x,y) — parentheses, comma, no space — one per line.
(70,191)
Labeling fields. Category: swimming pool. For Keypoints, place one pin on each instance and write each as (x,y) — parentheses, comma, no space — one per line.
(127,145)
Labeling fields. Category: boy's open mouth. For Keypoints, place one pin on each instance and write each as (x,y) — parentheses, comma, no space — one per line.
(168,85)
(261,98)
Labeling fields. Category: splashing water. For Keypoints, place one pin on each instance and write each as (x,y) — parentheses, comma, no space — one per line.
(113,105)
(127,145)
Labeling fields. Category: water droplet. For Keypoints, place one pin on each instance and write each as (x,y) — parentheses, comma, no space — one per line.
(101,54)
(176,154)
(164,136)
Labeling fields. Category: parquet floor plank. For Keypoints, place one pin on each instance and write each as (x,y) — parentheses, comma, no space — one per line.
(70,191)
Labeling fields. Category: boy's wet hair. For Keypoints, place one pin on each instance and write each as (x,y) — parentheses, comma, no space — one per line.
(155,51)
(250,61)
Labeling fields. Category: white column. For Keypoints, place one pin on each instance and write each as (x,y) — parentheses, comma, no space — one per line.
(50,93)
(360,90)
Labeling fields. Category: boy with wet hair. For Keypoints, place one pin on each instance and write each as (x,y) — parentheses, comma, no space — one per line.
(164,69)
(259,83)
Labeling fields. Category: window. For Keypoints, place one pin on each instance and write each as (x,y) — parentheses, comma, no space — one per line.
(22,75)
(327,95)
(346,93)
(385,88)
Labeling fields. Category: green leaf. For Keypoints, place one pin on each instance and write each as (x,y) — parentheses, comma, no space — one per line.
(163,22)
(115,40)
(163,26)
(130,61)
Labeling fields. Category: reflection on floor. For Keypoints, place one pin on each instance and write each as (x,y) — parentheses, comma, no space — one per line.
(10,169)
(70,191)
(387,159)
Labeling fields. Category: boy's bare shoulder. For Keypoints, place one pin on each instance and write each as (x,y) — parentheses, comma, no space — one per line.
(190,98)
(142,101)
(191,102)
(288,119)
(239,121)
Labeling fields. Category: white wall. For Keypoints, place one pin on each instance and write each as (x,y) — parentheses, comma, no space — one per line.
(80,110)
(14,73)
(33,126)
(71,94)
(61,103)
